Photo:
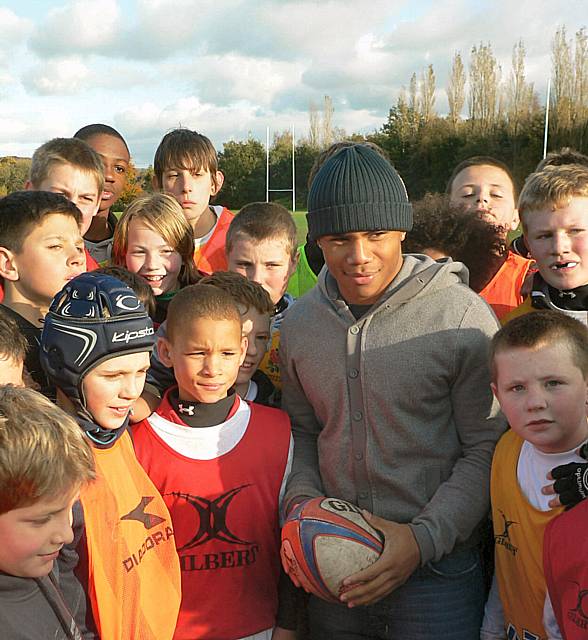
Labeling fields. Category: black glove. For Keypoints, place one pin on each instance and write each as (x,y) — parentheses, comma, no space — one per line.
(571,481)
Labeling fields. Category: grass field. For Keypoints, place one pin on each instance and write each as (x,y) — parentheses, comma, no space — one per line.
(300,220)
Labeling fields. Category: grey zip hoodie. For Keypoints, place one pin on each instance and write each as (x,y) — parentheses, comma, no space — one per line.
(394,411)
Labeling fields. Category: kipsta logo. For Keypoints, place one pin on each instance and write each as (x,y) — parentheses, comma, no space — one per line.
(213,518)
(149,520)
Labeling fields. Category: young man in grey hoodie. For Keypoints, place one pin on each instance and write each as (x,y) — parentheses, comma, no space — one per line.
(386,380)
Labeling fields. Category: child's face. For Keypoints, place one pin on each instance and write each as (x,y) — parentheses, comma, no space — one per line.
(487,191)
(256,328)
(543,395)
(268,263)
(112,387)
(31,537)
(206,358)
(191,188)
(11,371)
(78,186)
(558,241)
(151,257)
(51,255)
(115,159)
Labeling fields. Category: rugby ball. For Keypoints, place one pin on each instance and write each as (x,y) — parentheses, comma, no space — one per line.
(325,540)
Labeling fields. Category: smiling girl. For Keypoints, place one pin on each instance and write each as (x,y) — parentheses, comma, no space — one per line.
(154,240)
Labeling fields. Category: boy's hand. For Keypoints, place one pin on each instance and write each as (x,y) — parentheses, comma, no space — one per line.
(571,483)
(401,556)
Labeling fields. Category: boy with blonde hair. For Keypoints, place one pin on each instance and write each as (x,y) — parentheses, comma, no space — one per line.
(539,366)
(186,167)
(44,461)
(261,245)
(41,249)
(553,206)
(71,167)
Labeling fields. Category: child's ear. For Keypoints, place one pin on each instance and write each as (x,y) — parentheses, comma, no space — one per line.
(216,185)
(244,345)
(514,225)
(8,268)
(28,186)
(155,183)
(494,389)
(164,350)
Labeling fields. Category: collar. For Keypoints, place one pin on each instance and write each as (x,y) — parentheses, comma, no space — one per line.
(200,414)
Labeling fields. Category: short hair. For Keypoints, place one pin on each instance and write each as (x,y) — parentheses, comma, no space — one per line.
(21,211)
(142,290)
(43,451)
(185,149)
(539,328)
(262,221)
(91,130)
(565,155)
(449,228)
(329,152)
(200,301)
(13,344)
(480,161)
(553,188)
(72,151)
(164,215)
(246,293)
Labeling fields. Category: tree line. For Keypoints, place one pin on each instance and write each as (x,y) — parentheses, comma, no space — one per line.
(504,118)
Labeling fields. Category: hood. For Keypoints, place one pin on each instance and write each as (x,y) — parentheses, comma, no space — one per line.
(418,276)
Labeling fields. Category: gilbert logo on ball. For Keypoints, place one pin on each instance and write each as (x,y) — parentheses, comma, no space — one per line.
(325,540)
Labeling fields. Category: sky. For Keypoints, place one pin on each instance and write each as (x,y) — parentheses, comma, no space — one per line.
(230,69)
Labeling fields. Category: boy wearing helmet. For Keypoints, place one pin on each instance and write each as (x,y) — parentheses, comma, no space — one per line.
(95,348)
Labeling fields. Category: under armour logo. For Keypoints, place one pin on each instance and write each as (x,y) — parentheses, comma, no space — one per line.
(149,520)
(212,515)
(188,409)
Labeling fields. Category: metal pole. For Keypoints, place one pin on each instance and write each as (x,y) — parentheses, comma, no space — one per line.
(267,164)
(546,117)
(293,172)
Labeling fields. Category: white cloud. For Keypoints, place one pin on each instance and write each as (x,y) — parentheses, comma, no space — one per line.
(79,26)
(58,77)
(13,29)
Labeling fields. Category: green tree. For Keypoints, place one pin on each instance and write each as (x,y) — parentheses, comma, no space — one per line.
(243,164)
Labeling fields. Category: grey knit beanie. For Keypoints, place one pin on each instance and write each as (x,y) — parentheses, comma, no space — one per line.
(357,190)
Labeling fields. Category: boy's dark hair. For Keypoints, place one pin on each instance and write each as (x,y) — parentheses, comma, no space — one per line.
(541,328)
(91,130)
(13,345)
(142,290)
(565,155)
(200,301)
(245,292)
(263,221)
(477,161)
(327,153)
(22,210)
(448,228)
(185,149)
(73,151)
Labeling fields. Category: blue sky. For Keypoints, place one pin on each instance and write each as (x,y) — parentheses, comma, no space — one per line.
(231,68)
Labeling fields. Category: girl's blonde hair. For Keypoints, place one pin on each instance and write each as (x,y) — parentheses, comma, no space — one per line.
(163,214)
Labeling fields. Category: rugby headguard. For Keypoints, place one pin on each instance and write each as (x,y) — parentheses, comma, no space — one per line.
(95,317)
